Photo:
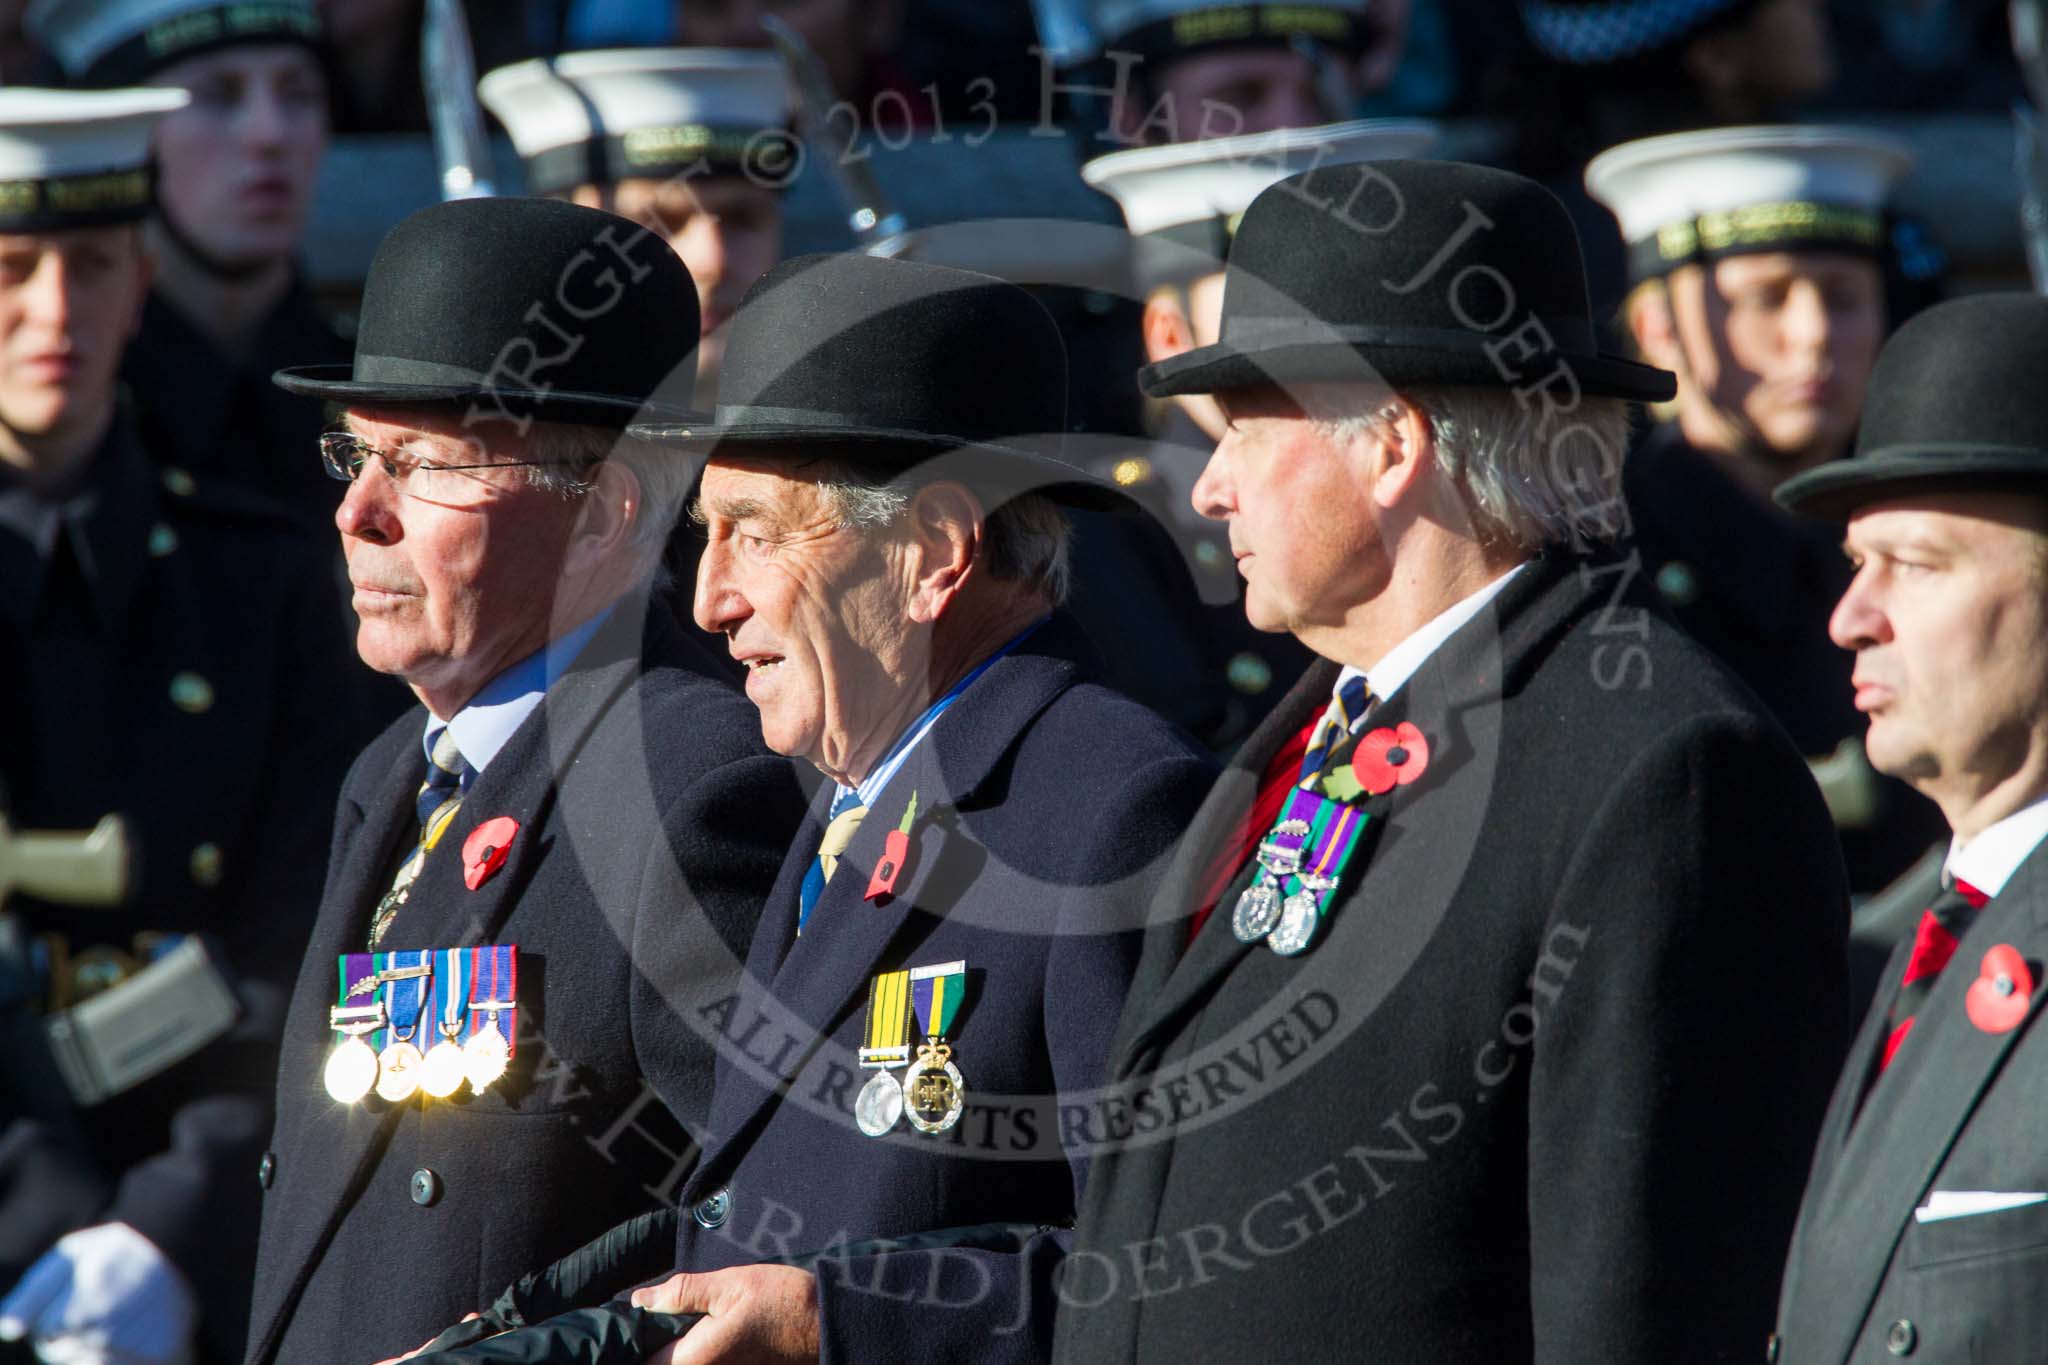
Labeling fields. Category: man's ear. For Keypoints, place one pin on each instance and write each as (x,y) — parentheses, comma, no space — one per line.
(1655,330)
(605,517)
(945,528)
(1403,449)
(1167,329)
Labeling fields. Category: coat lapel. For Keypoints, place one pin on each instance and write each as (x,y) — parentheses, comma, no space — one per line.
(1895,1147)
(332,1151)
(343,1145)
(849,938)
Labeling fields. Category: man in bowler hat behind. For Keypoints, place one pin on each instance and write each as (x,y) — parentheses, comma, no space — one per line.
(573,832)
(1496,985)
(1925,1226)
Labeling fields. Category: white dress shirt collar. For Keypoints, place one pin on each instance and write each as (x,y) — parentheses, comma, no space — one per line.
(1988,861)
(1402,661)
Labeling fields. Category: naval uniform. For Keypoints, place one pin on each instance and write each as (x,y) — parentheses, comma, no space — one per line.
(175,656)
(1543,1086)
(219,416)
(649,823)
(1756,586)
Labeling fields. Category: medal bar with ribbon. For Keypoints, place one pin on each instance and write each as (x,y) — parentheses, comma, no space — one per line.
(358,1015)
(934,1095)
(442,1071)
(887,1044)
(493,1014)
(405,997)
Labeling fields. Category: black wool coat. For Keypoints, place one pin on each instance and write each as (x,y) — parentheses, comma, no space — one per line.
(1046,804)
(1959,1109)
(1545,1087)
(651,822)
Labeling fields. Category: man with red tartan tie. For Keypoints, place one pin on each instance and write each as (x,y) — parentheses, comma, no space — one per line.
(1489,1008)
(1925,1228)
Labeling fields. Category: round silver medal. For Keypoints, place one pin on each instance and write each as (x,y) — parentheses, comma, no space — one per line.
(1297,925)
(879,1104)
(351,1071)
(1258,910)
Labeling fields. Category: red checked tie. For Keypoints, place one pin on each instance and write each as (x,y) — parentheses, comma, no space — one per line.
(1942,925)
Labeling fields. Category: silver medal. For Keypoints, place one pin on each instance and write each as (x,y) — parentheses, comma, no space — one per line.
(1257,911)
(879,1104)
(1297,925)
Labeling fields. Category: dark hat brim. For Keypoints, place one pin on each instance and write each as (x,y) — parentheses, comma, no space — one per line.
(1222,367)
(1014,470)
(333,384)
(1836,490)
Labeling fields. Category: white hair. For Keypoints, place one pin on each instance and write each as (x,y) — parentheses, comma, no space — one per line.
(1027,538)
(1530,476)
(567,457)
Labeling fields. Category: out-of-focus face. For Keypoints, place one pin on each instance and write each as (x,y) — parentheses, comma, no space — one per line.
(1774,351)
(238,164)
(69,302)
(1234,90)
(1300,514)
(1948,618)
(816,613)
(846,34)
(727,229)
(1179,319)
(449,592)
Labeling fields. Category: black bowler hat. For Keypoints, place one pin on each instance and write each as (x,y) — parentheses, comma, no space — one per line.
(1406,272)
(1956,405)
(896,362)
(520,309)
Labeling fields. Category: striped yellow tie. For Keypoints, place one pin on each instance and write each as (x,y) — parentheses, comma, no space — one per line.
(440,796)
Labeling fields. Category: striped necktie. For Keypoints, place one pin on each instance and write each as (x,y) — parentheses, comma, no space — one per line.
(1352,698)
(839,831)
(440,796)
(1941,930)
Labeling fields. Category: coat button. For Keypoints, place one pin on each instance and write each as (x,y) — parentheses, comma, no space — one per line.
(1901,1337)
(714,1208)
(206,864)
(191,693)
(266,1170)
(426,1188)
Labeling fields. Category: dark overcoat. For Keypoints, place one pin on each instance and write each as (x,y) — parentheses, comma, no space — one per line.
(1545,1088)
(651,823)
(1044,803)
(1959,1109)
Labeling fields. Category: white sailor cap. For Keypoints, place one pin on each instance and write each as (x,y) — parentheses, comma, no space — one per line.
(1698,196)
(597,117)
(1170,27)
(104,43)
(1184,199)
(77,158)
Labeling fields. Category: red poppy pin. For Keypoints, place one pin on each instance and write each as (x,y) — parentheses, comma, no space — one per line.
(1999,998)
(895,856)
(483,852)
(1390,757)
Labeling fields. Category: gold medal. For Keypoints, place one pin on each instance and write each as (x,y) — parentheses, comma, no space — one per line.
(398,1071)
(351,1071)
(443,1069)
(934,1095)
(485,1057)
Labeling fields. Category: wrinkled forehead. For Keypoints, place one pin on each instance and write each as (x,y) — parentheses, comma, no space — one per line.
(739,487)
(1993,524)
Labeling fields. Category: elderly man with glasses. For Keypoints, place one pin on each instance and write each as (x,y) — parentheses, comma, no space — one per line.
(538,877)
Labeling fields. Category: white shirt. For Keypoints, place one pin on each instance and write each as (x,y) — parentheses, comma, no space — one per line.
(501,706)
(1988,861)
(1402,661)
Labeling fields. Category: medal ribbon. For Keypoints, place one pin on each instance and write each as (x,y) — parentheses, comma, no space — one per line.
(492,969)
(935,992)
(405,1013)
(1331,841)
(888,1035)
(451,994)
(357,987)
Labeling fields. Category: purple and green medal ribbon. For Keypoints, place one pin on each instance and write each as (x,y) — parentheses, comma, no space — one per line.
(1333,829)
(935,994)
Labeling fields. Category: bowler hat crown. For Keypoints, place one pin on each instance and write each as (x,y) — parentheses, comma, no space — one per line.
(1956,404)
(1407,273)
(898,361)
(519,310)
